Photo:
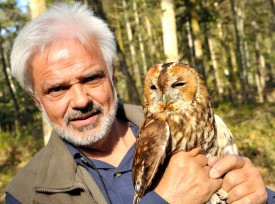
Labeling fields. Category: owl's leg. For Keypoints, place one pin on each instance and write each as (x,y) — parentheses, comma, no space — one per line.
(222,194)
(218,198)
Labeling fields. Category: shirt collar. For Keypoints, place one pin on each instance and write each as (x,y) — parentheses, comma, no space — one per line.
(83,160)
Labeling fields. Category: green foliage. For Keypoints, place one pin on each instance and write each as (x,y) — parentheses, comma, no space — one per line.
(15,152)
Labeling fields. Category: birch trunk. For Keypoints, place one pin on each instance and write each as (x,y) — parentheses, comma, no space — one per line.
(242,75)
(195,34)
(260,73)
(190,43)
(37,7)
(169,31)
(133,54)
(215,66)
(140,40)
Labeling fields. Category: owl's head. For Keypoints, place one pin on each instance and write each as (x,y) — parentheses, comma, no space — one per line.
(173,87)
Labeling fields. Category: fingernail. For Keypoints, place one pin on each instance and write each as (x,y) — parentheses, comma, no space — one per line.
(214,173)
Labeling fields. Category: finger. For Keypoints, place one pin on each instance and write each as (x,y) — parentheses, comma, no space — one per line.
(194,152)
(215,184)
(233,178)
(255,198)
(213,160)
(239,192)
(226,164)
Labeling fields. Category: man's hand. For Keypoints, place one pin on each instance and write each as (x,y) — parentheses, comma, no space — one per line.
(186,179)
(242,179)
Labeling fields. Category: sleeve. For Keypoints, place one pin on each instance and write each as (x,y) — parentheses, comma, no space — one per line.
(271,196)
(153,198)
(10,199)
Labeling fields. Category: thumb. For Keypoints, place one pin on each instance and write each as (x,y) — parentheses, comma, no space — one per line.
(213,160)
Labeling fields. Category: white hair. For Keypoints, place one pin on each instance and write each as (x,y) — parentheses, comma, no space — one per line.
(60,21)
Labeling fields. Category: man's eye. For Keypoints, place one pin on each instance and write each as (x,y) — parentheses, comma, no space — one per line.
(56,89)
(93,79)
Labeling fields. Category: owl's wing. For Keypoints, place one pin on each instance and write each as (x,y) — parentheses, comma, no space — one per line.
(149,154)
(225,138)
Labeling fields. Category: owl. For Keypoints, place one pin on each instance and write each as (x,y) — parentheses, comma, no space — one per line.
(178,117)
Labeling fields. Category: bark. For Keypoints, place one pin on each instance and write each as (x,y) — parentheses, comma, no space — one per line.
(230,69)
(169,31)
(272,7)
(218,80)
(260,73)
(9,85)
(133,54)
(195,34)
(190,43)
(36,8)
(132,90)
(241,71)
(140,39)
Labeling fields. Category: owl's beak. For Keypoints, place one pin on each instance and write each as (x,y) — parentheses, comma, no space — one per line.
(164,99)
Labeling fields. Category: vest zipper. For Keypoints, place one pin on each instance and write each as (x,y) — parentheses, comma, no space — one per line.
(45,190)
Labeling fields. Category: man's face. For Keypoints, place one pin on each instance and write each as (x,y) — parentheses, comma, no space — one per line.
(74,90)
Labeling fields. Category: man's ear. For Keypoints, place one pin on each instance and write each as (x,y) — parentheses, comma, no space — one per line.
(37,102)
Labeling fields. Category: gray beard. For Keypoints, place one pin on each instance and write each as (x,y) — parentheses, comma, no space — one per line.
(83,138)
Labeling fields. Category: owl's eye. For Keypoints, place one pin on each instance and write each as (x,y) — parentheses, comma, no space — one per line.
(153,87)
(178,84)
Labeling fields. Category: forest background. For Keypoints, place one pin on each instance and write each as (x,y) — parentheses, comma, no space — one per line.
(230,42)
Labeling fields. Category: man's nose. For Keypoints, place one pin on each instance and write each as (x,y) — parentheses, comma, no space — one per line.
(79,96)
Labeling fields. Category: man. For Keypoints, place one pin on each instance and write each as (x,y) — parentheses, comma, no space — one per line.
(64,60)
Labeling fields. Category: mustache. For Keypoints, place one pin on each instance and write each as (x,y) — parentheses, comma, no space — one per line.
(88,111)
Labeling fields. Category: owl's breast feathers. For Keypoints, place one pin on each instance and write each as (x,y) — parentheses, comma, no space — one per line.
(189,130)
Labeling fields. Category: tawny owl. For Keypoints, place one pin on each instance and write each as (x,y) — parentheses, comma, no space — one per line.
(178,117)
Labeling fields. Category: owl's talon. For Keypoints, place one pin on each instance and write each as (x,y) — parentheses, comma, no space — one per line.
(223,195)
(218,198)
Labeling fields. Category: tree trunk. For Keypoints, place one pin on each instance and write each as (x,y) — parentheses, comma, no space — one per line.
(133,54)
(241,71)
(140,40)
(169,31)
(37,7)
(273,10)
(11,90)
(219,83)
(195,34)
(131,88)
(190,43)
(260,74)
